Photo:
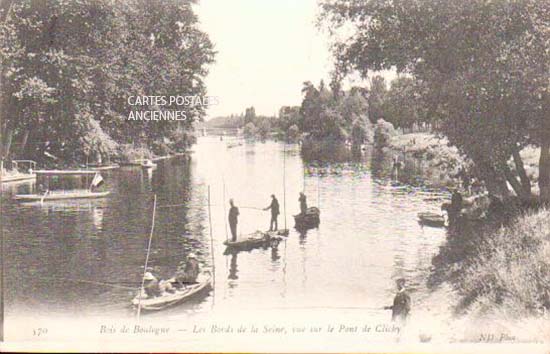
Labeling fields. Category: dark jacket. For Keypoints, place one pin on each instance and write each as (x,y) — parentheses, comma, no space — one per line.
(303,203)
(274,207)
(233,214)
(401,306)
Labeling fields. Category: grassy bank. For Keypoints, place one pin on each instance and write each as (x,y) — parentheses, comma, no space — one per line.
(510,269)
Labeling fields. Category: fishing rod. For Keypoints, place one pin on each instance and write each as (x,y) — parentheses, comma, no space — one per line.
(212,250)
(93,282)
(147,257)
(202,206)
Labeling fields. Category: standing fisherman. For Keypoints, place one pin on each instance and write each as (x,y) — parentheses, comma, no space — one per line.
(233,220)
(274,206)
(401,303)
(303,203)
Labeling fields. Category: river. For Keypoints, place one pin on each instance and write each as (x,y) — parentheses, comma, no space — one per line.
(59,255)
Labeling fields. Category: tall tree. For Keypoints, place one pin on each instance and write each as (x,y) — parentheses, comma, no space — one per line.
(485,67)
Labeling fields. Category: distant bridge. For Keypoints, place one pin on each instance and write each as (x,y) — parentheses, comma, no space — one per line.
(204,131)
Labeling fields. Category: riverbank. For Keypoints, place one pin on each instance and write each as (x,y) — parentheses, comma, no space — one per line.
(438,155)
(441,163)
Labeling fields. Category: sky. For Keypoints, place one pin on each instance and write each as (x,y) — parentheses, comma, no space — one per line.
(266,49)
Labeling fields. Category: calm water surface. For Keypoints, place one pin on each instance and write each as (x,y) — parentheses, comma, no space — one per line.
(59,254)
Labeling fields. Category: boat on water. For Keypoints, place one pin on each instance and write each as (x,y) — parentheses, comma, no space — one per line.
(99,167)
(60,195)
(309,220)
(82,193)
(18,172)
(233,145)
(431,219)
(180,296)
(256,240)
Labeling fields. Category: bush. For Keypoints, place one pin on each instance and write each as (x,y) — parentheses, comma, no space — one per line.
(383,133)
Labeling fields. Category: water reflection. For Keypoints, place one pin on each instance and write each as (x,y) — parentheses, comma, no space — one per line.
(368,233)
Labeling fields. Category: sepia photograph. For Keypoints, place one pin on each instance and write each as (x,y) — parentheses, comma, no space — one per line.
(275,176)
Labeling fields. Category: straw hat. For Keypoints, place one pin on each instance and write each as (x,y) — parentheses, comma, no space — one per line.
(149,276)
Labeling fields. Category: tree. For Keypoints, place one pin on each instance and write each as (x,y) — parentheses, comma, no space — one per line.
(68,68)
(377,96)
(249,115)
(483,66)
(403,106)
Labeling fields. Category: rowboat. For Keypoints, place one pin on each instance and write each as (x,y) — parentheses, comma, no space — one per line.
(98,167)
(51,195)
(308,220)
(180,296)
(431,219)
(256,240)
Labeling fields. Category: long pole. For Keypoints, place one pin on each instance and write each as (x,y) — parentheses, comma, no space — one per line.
(224,211)
(318,192)
(284,180)
(212,244)
(147,257)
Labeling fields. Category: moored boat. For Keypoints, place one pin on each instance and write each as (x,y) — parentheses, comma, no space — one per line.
(180,296)
(257,239)
(55,195)
(309,220)
(431,219)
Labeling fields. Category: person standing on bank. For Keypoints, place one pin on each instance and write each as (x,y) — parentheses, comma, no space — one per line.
(401,303)
(274,206)
(303,203)
(233,220)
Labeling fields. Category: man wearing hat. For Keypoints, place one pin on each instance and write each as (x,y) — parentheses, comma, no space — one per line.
(233,220)
(274,206)
(151,285)
(401,303)
(188,274)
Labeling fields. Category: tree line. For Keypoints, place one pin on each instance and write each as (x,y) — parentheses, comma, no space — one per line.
(480,68)
(68,67)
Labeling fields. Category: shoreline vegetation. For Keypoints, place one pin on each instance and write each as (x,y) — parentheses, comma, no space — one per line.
(470,105)
(71,67)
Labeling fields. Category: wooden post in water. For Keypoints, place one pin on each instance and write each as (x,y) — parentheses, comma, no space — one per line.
(212,246)
(147,257)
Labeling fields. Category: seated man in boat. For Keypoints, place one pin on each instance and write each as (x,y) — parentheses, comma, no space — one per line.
(189,272)
(153,287)
(274,206)
(401,303)
(303,203)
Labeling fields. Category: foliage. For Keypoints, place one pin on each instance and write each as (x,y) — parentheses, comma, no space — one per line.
(68,68)
(331,115)
(483,68)
(383,132)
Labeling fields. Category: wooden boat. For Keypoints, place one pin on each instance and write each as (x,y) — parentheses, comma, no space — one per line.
(18,177)
(431,219)
(257,239)
(15,175)
(180,296)
(52,195)
(97,167)
(308,220)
